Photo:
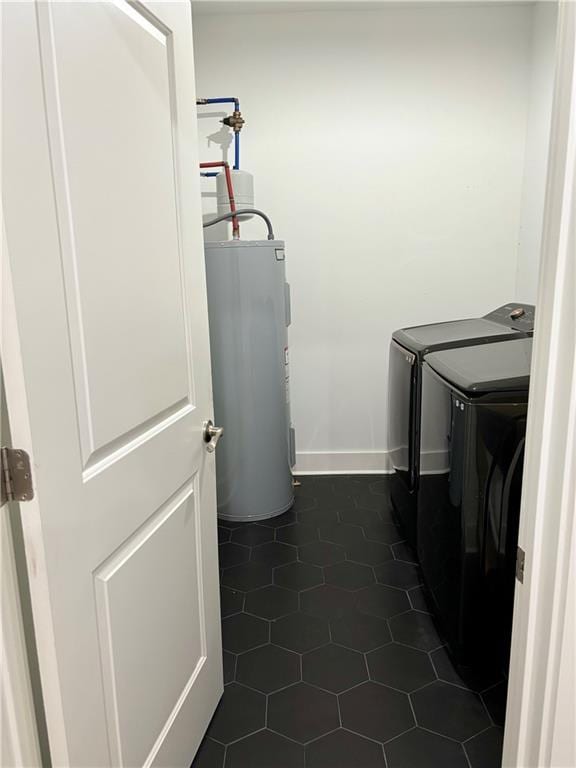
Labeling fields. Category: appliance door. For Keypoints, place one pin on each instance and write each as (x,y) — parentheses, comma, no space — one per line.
(502,515)
(440,498)
(402,397)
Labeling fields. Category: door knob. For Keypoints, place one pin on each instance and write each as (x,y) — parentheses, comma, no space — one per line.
(211,435)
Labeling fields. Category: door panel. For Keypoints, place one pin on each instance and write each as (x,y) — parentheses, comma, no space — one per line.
(110,306)
(163,636)
(111,121)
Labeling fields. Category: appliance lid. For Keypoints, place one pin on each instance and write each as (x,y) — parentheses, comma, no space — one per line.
(487,368)
(514,315)
(423,338)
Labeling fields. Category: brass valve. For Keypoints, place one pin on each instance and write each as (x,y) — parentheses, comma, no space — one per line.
(234,121)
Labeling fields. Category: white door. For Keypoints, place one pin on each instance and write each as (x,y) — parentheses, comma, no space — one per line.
(107,368)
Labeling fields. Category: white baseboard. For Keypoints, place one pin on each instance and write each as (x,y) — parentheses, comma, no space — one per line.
(342,463)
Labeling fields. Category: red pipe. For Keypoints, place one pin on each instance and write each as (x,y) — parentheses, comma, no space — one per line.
(223,164)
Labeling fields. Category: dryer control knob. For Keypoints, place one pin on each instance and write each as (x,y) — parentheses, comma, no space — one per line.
(517,313)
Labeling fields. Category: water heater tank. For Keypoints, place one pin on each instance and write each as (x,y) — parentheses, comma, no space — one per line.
(243,186)
(249,313)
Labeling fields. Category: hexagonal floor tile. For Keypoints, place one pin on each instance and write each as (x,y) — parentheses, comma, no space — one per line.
(223,534)
(495,701)
(380,487)
(252,534)
(303,503)
(403,552)
(359,516)
(450,711)
(231,601)
(386,533)
(247,577)
(263,750)
(231,524)
(298,576)
(302,713)
(333,499)
(322,515)
(342,749)
(229,662)
(366,500)
(321,553)
(485,750)
(274,554)
(400,667)
(417,598)
(395,573)
(286,518)
(416,629)
(240,712)
(314,485)
(348,575)
(349,485)
(468,677)
(327,602)
(421,749)
(341,533)
(387,515)
(271,602)
(232,554)
(268,668)
(375,711)
(360,631)
(382,601)
(242,632)
(368,552)
(300,632)
(210,755)
(299,533)
(333,668)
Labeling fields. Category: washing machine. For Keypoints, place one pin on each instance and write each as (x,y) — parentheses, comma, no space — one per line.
(468,510)
(408,348)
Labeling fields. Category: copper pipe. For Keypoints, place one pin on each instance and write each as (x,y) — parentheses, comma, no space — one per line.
(230,188)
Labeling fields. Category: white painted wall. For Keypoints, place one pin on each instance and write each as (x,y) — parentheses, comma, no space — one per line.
(543,42)
(388,147)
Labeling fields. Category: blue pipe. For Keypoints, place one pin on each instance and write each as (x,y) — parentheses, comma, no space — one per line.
(236,102)
(227,100)
(210,173)
(237,151)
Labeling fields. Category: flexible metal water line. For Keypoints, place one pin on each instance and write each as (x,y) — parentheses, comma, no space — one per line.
(253,211)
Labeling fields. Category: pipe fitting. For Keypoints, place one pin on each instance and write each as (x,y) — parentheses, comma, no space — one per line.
(234,121)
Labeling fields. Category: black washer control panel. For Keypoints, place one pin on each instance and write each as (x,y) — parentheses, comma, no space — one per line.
(520,316)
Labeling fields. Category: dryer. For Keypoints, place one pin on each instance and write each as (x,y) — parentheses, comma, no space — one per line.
(408,348)
(468,512)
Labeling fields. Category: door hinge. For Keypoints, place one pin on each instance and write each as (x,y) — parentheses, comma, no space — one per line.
(520,561)
(15,475)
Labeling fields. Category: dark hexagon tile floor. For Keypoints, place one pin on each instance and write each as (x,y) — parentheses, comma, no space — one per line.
(268,668)
(334,668)
(360,631)
(271,602)
(331,659)
(343,749)
(421,749)
(376,711)
(303,712)
(298,576)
